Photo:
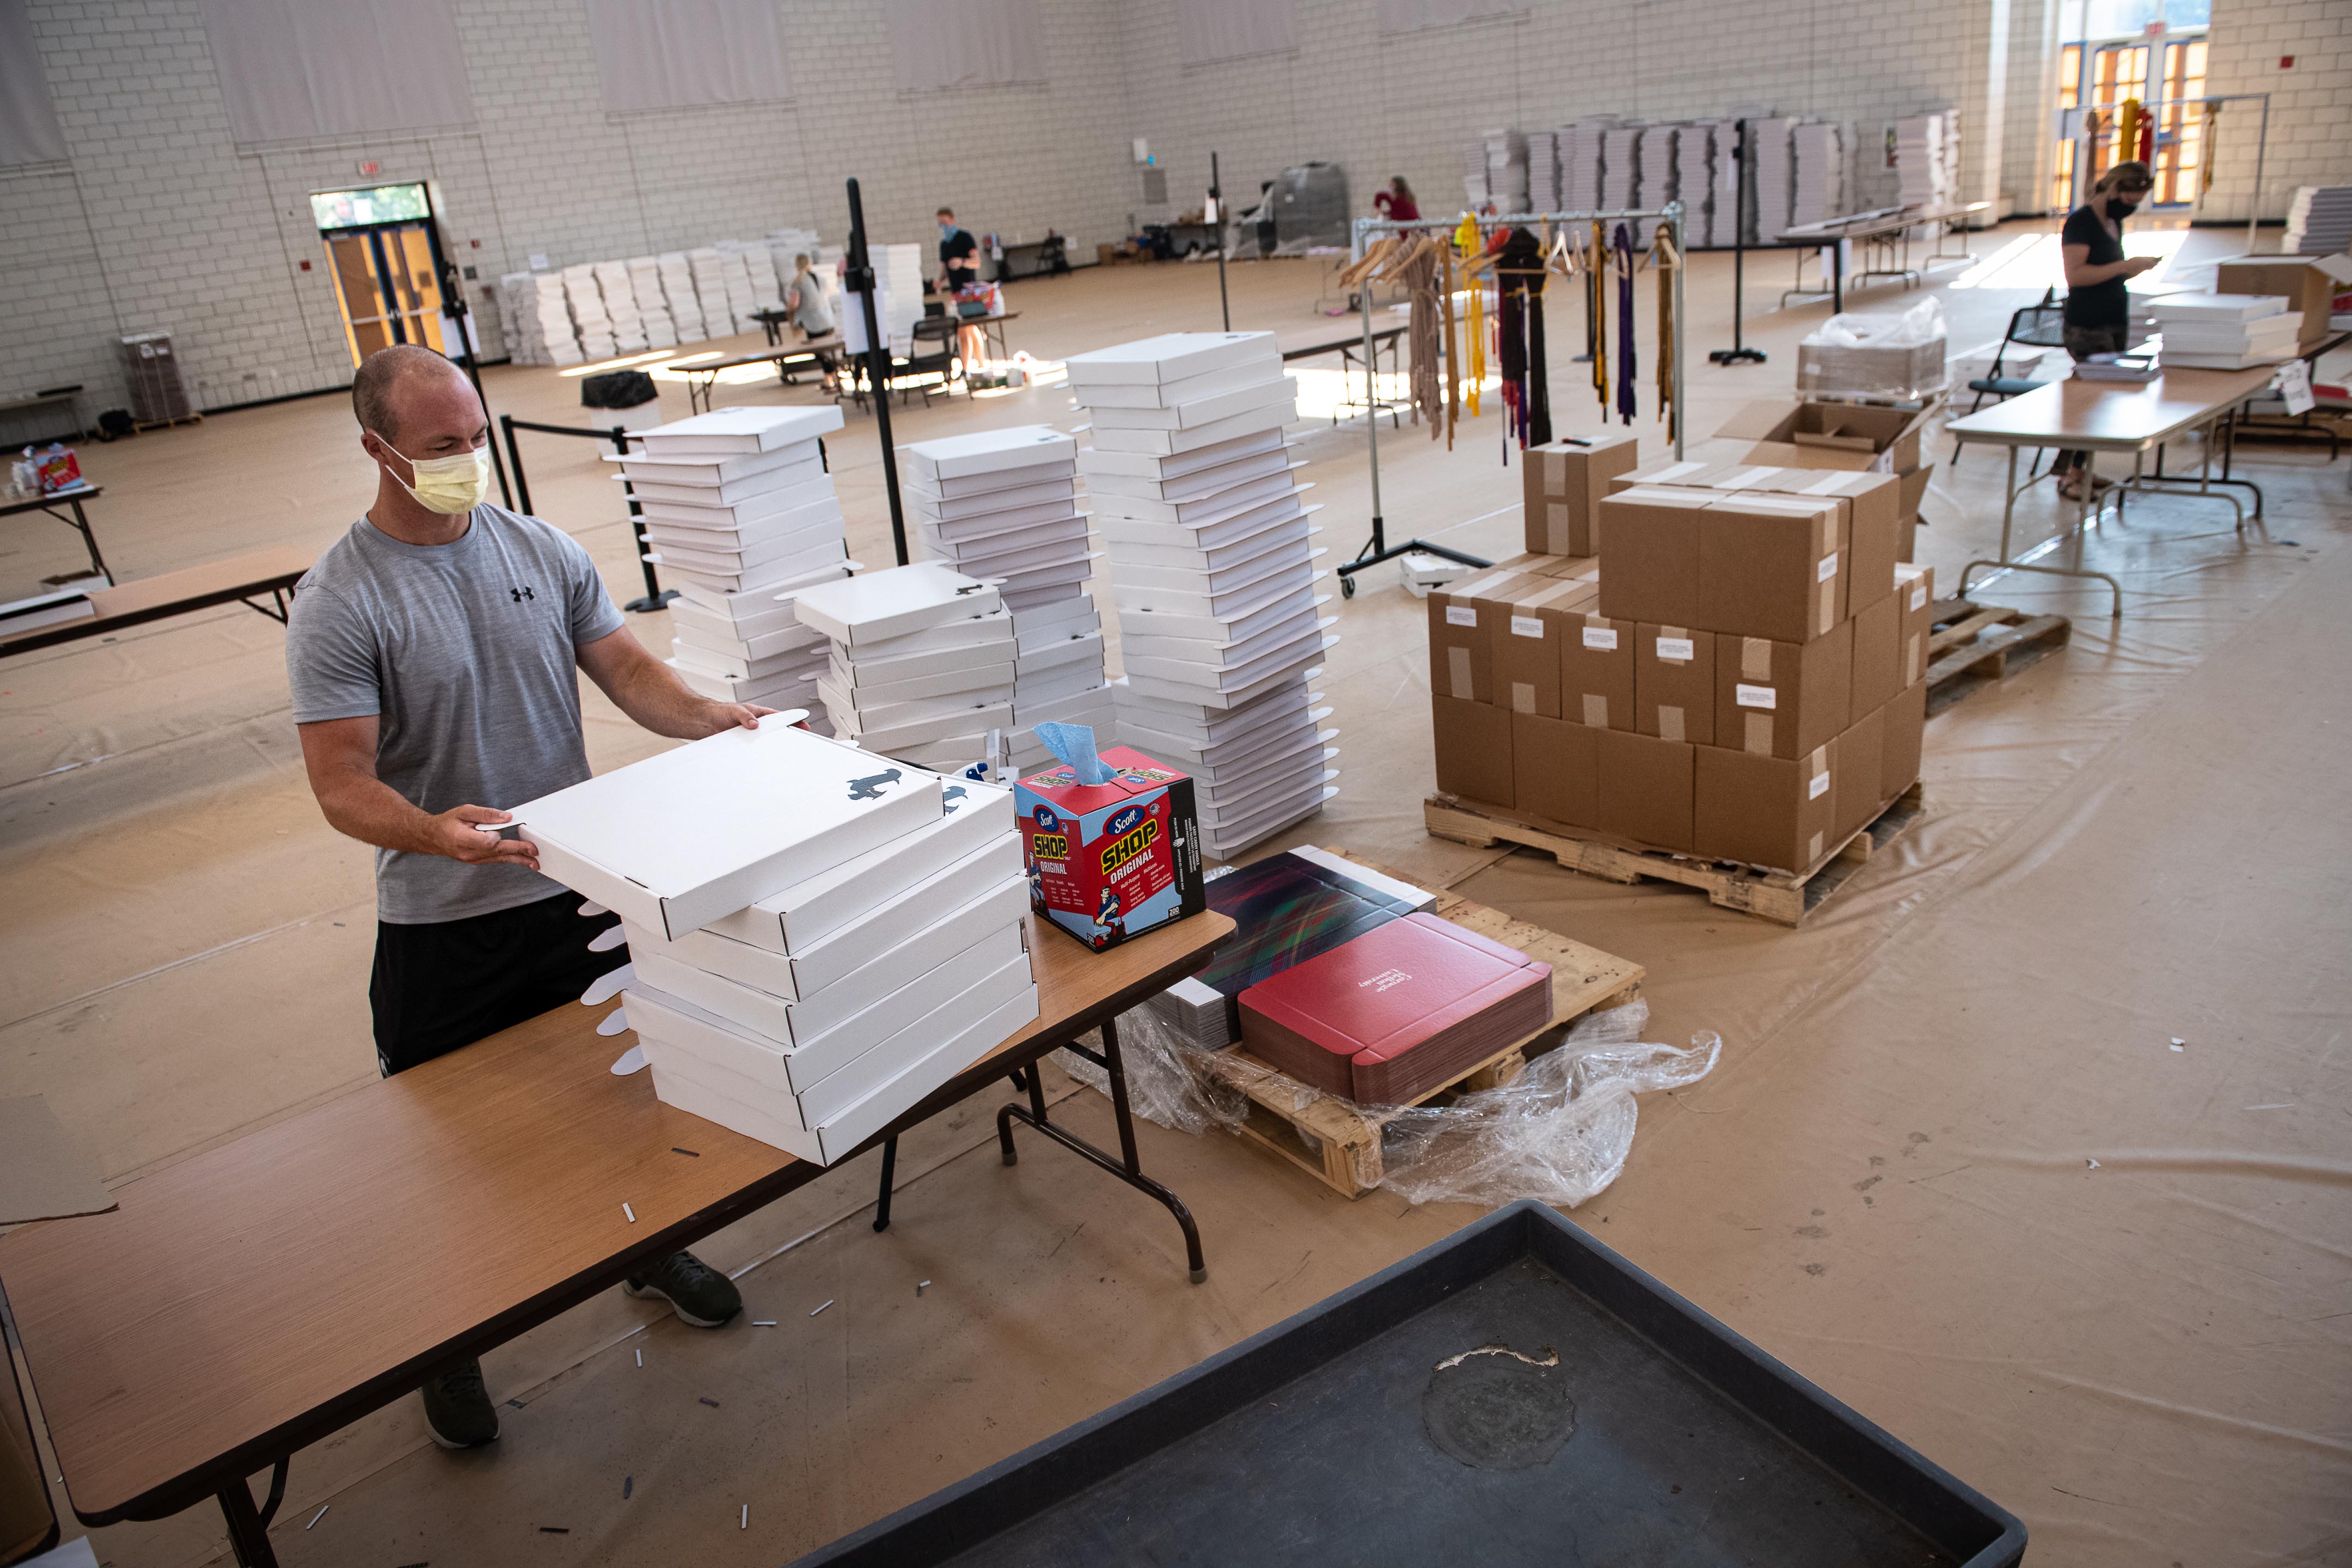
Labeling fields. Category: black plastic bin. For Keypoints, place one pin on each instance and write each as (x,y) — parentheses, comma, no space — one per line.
(1620,1425)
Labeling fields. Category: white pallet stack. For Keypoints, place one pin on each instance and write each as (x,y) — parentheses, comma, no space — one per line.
(677,292)
(1002,506)
(762,288)
(740,514)
(586,301)
(1214,571)
(921,661)
(652,307)
(735,270)
(818,938)
(619,291)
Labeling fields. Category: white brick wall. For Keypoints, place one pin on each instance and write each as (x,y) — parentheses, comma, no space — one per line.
(2311,104)
(159,220)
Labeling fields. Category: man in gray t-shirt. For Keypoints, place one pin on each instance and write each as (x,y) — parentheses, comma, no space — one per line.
(433,654)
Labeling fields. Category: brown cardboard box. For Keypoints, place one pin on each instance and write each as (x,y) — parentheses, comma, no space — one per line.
(1914,487)
(1877,663)
(1529,631)
(1784,700)
(1692,471)
(1461,634)
(1596,672)
(1874,520)
(1649,564)
(1770,566)
(1555,766)
(1831,435)
(2298,277)
(1914,598)
(1564,483)
(1905,721)
(1645,789)
(1766,811)
(1674,683)
(1861,752)
(1474,749)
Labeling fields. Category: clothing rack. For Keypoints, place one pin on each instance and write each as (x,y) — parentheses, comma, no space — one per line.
(1376,549)
(2071,121)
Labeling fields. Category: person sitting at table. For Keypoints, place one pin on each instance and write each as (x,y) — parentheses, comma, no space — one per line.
(1396,202)
(811,312)
(433,654)
(2098,306)
(959,269)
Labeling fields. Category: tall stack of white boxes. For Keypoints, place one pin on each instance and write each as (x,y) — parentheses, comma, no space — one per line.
(921,664)
(1215,572)
(653,309)
(1001,505)
(740,514)
(1927,160)
(818,936)
(677,288)
(588,316)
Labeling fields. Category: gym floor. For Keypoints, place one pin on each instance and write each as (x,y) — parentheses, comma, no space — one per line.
(1951,1166)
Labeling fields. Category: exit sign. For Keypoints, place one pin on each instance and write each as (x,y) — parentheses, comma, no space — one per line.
(371,169)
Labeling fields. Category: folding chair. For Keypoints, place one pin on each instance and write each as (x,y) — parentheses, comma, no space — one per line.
(2041,326)
(940,330)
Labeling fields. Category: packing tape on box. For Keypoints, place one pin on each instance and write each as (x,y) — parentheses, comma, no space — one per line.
(1756,660)
(1553,588)
(1559,527)
(1756,742)
(1911,661)
(1744,479)
(1670,722)
(1667,476)
(1523,697)
(1596,710)
(1813,848)
(1457,668)
(1675,646)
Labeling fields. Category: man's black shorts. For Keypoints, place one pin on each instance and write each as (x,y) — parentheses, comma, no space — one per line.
(448,983)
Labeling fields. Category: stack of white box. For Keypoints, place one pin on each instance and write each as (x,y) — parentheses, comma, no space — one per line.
(1655,152)
(900,270)
(1579,154)
(1819,192)
(1474,189)
(735,270)
(2226,331)
(678,289)
(2318,221)
(1543,171)
(1927,160)
(1000,505)
(1694,180)
(758,289)
(921,662)
(1771,141)
(818,938)
(536,321)
(1213,568)
(1506,170)
(740,515)
(588,316)
(653,308)
(1620,165)
(619,291)
(710,288)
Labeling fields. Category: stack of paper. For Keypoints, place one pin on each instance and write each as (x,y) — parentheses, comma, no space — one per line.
(757,289)
(677,291)
(652,310)
(1213,568)
(619,291)
(921,662)
(740,515)
(2226,331)
(1000,505)
(1655,148)
(1770,144)
(588,316)
(2319,221)
(818,936)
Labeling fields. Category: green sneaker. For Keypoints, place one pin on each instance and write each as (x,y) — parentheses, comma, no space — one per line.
(698,1294)
(457,1409)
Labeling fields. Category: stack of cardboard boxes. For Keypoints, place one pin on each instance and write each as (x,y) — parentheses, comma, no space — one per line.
(1730,666)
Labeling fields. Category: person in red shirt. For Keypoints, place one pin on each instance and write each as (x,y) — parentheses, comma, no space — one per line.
(1396,202)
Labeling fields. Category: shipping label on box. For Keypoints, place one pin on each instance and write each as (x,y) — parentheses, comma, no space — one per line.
(1527,635)
(1112,860)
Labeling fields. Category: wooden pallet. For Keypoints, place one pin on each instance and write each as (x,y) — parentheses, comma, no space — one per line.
(1338,1143)
(1779,896)
(167,424)
(1975,645)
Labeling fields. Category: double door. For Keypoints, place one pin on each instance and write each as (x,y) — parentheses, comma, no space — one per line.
(388,281)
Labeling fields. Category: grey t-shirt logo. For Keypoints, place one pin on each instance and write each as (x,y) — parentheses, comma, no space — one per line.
(520,593)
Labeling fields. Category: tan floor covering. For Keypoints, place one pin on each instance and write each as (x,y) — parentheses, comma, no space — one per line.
(1888,1182)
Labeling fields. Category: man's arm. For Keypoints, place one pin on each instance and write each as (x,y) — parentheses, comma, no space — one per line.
(339,756)
(650,692)
(2081,274)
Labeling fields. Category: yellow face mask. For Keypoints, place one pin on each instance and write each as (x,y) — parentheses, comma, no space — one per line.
(446,485)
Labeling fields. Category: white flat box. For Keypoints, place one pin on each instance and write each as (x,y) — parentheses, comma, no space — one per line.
(714,625)
(793,688)
(1221,557)
(714,469)
(1171,443)
(2219,307)
(989,451)
(979,637)
(954,754)
(953,509)
(1286,511)
(794,919)
(1223,806)
(1091,705)
(1020,588)
(1246,496)
(1148,623)
(747,513)
(1216,580)
(1204,414)
(855,676)
(797,476)
(1189,389)
(1230,650)
(1190,691)
(758,428)
(1062,472)
(719,526)
(1038,626)
(1296,577)
(792,638)
(715,661)
(766,574)
(1211,734)
(905,701)
(1236,760)
(760,601)
(1233,675)
(881,606)
(959,722)
(822,545)
(1225,844)
(1028,555)
(853,1126)
(684,837)
(1083,650)
(1197,485)
(953,541)
(866,688)
(1063,514)
(1042,597)
(1093,462)
(1171,356)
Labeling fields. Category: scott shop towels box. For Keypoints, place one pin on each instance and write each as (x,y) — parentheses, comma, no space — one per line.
(1112,860)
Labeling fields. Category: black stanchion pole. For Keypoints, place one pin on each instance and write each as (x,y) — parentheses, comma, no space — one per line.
(514,456)
(453,296)
(656,595)
(1739,352)
(859,281)
(1217,205)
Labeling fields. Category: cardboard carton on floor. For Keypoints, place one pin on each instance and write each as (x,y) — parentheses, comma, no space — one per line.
(1674,683)
(1529,634)
(1905,720)
(1785,699)
(1872,508)
(1768,811)
(1564,483)
(1596,672)
(1473,750)
(1645,788)
(1877,654)
(1861,753)
(1649,567)
(1915,596)
(1771,566)
(1799,434)
(1556,769)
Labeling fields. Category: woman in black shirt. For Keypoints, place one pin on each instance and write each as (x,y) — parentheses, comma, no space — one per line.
(2098,310)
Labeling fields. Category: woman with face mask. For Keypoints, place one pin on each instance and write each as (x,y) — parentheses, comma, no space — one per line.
(2098,308)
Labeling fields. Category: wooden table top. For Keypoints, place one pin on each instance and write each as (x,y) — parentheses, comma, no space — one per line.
(780,352)
(173,593)
(261,1295)
(2112,415)
(43,502)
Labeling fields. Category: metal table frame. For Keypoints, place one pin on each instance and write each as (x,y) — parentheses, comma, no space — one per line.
(1886,238)
(1351,352)
(79,521)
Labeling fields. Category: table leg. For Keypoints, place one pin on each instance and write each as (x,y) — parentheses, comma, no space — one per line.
(889,1172)
(81,524)
(1128,1167)
(249,1527)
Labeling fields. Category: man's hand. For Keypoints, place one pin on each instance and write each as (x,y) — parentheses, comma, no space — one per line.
(469,833)
(728,715)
